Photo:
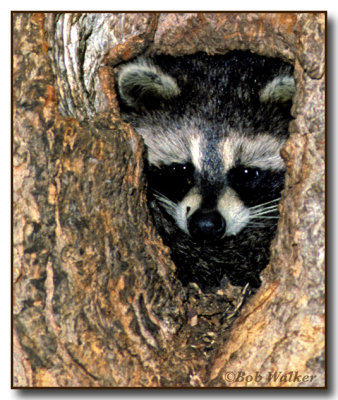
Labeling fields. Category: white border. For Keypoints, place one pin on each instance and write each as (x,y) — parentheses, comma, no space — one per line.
(175,5)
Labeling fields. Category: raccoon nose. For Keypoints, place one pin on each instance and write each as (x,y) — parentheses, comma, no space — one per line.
(206,225)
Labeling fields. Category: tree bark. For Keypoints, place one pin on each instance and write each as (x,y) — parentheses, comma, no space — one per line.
(95,299)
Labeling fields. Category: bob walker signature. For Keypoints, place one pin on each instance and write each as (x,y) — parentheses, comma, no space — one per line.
(276,376)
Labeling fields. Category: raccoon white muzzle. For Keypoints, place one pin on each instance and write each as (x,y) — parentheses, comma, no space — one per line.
(227,219)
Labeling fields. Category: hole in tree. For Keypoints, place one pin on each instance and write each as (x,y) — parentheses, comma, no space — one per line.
(213,127)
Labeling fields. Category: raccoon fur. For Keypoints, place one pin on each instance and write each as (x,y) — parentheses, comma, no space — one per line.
(213,127)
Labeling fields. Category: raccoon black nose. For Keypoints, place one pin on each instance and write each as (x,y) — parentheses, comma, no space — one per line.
(206,225)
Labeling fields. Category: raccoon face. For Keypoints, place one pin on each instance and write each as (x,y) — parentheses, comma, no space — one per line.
(220,189)
(213,127)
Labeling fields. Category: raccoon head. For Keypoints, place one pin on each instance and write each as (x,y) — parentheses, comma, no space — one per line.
(213,131)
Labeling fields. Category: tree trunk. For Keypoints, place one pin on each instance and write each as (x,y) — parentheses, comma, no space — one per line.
(95,299)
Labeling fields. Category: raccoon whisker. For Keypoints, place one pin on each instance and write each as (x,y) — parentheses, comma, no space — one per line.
(264,210)
(169,205)
(265,217)
(272,207)
(266,207)
(164,200)
(259,213)
(258,224)
(262,222)
(268,202)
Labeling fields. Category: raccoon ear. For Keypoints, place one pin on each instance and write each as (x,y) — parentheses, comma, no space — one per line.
(143,85)
(280,90)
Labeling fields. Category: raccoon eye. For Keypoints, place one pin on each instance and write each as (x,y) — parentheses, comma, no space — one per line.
(249,174)
(173,180)
(181,171)
(244,176)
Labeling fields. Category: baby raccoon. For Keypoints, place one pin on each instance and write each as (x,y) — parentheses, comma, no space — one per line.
(213,127)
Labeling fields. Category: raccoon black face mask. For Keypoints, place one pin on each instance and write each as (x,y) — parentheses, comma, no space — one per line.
(213,127)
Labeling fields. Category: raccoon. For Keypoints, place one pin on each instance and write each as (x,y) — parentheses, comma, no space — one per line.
(213,127)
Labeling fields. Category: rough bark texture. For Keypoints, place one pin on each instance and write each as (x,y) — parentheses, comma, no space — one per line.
(95,300)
